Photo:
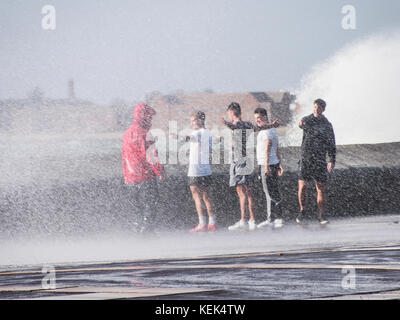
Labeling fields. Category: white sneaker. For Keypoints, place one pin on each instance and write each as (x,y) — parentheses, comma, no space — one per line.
(278,223)
(323,221)
(252,225)
(264,224)
(238,225)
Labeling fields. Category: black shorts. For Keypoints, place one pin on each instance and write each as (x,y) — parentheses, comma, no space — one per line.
(313,170)
(204,181)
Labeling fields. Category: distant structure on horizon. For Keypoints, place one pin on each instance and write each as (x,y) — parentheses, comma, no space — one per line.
(38,98)
(71,90)
(179,107)
(38,113)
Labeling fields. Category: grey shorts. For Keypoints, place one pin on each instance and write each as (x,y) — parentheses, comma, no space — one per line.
(241,173)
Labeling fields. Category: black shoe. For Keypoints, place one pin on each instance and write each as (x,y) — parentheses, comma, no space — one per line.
(300,217)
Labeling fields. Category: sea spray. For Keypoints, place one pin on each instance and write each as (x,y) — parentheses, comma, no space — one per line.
(360,86)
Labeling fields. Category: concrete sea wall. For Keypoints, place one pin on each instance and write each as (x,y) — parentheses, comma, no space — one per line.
(366,181)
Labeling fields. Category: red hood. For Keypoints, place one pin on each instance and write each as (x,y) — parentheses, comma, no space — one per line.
(140,114)
(139,156)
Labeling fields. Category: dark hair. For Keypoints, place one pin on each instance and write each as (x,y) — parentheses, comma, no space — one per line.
(321,103)
(235,107)
(199,115)
(261,111)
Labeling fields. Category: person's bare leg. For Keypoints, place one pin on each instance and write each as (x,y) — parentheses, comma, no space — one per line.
(240,189)
(197,200)
(320,198)
(250,198)
(208,203)
(302,194)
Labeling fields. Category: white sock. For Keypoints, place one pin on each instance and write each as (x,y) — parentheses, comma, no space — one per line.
(202,221)
(211,220)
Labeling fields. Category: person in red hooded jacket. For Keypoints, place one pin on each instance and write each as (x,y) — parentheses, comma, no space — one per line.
(141,166)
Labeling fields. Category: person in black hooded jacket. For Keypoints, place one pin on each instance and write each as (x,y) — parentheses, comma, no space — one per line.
(318,143)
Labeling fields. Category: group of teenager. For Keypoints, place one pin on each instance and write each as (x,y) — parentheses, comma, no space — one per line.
(141,166)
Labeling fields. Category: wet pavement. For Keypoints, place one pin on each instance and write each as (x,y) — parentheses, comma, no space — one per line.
(348,257)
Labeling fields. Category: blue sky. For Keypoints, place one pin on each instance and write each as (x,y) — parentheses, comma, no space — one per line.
(125,49)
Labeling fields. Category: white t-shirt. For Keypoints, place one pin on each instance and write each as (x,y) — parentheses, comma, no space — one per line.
(199,153)
(264,135)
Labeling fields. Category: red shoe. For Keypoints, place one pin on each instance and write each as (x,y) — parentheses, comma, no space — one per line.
(212,227)
(199,228)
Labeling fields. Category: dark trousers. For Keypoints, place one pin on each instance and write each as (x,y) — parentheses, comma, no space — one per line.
(271,189)
(144,199)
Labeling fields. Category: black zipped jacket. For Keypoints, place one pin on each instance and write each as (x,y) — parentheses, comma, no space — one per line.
(318,140)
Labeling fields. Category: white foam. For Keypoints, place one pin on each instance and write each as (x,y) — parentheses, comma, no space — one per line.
(360,85)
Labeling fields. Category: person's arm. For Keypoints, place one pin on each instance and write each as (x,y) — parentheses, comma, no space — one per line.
(303,123)
(127,153)
(152,157)
(331,149)
(230,125)
(210,145)
(128,166)
(278,155)
(193,138)
(157,167)
(268,145)
(273,124)
(125,162)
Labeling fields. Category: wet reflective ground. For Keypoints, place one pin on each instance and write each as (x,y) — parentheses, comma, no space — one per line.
(291,263)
